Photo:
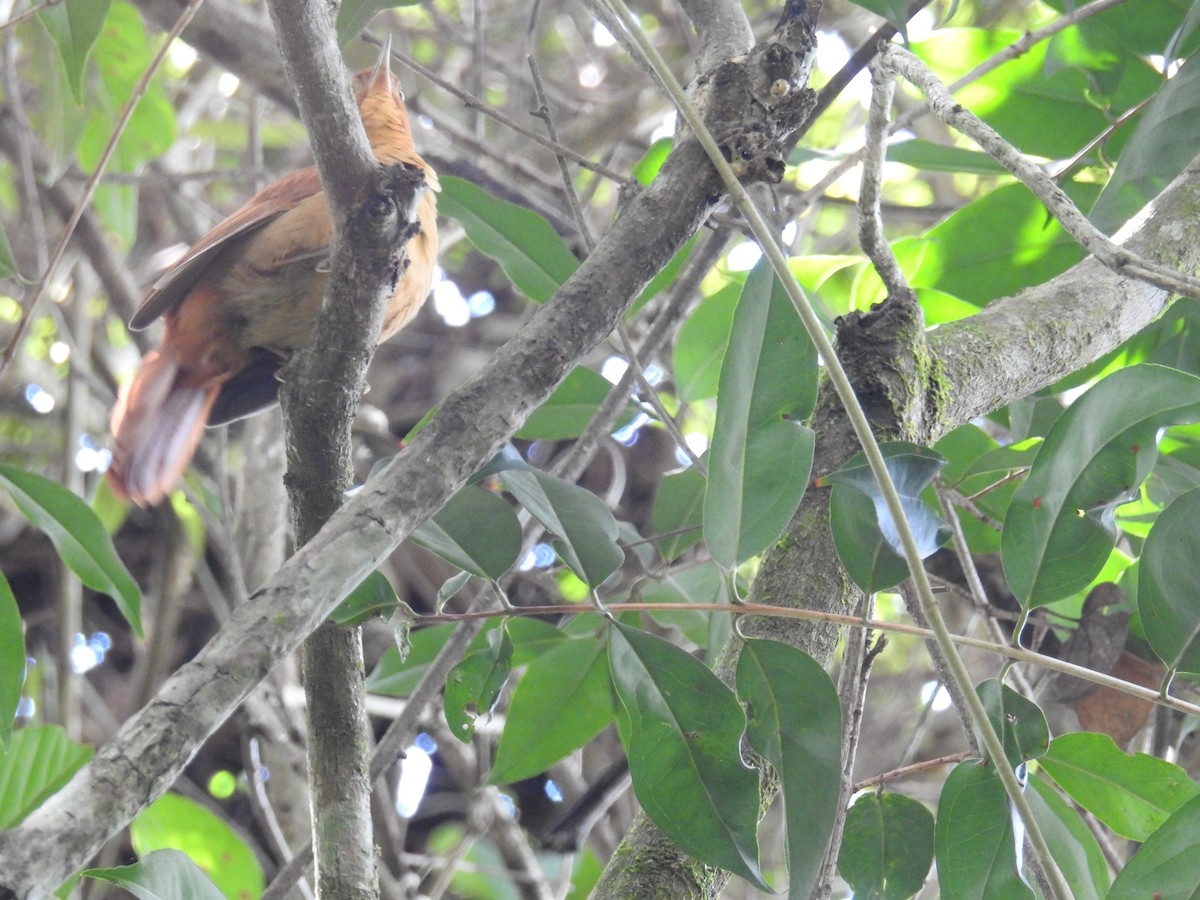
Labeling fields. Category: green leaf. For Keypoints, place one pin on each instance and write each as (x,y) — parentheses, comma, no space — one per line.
(700,346)
(1071,842)
(1131,794)
(679,504)
(694,584)
(397,677)
(563,700)
(373,597)
(175,822)
(78,537)
(39,761)
(12,661)
(74,26)
(476,531)
(795,722)
(652,160)
(162,875)
(1167,865)
(895,11)
(353,16)
(864,531)
(887,846)
(1060,530)
(567,411)
(932,157)
(994,247)
(585,527)
(1020,723)
(975,845)
(474,685)
(761,454)
(1167,578)
(1157,150)
(524,244)
(681,728)
(8,262)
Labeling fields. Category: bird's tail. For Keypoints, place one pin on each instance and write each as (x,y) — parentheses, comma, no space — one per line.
(156,425)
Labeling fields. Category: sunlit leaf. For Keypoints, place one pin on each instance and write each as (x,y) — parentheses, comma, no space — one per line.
(175,822)
(681,728)
(795,722)
(78,536)
(1060,529)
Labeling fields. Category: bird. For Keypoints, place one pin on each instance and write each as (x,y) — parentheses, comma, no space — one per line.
(245,297)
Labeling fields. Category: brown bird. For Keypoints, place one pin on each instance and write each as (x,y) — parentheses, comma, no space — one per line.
(244,298)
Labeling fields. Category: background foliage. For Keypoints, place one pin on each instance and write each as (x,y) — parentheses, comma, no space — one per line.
(703,464)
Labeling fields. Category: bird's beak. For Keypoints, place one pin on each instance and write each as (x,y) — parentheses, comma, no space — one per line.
(381,75)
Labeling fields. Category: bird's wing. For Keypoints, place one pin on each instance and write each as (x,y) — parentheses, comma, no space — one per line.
(269,203)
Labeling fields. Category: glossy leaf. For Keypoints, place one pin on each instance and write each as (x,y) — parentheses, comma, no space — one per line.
(39,761)
(567,411)
(524,244)
(373,597)
(473,686)
(563,700)
(1156,152)
(586,530)
(1167,865)
(476,531)
(12,661)
(679,509)
(1071,842)
(175,822)
(1167,577)
(74,26)
(795,723)
(78,537)
(887,846)
(864,532)
(1019,722)
(1131,794)
(1060,529)
(161,875)
(761,455)
(681,728)
(975,845)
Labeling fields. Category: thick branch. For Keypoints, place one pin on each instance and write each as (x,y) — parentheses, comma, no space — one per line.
(146,756)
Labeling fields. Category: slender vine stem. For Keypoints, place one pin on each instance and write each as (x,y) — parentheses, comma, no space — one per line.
(862,429)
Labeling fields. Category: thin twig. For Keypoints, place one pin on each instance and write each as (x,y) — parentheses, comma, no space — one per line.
(870,220)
